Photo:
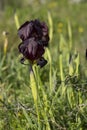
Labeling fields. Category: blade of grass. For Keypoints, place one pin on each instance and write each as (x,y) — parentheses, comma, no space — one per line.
(50,71)
(50,26)
(16,20)
(70,36)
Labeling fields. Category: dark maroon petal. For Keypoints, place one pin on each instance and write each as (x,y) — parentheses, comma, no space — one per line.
(21,47)
(25,30)
(44,29)
(32,47)
(40,51)
(45,40)
(41,62)
(37,27)
(35,50)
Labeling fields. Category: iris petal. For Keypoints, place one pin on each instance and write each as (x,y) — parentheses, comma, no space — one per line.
(25,30)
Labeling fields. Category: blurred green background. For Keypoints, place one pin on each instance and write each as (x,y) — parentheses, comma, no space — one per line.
(15,91)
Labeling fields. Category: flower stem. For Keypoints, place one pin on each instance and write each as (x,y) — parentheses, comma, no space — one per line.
(33,85)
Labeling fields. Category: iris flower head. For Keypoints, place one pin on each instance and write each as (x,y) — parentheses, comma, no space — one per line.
(35,37)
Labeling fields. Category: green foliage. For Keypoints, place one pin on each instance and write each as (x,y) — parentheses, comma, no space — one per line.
(54,97)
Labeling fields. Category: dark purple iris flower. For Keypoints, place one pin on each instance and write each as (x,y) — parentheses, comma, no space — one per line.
(35,37)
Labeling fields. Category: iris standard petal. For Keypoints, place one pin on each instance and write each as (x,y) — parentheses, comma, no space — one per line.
(25,30)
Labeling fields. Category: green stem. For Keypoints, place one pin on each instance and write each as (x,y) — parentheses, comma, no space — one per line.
(34,89)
